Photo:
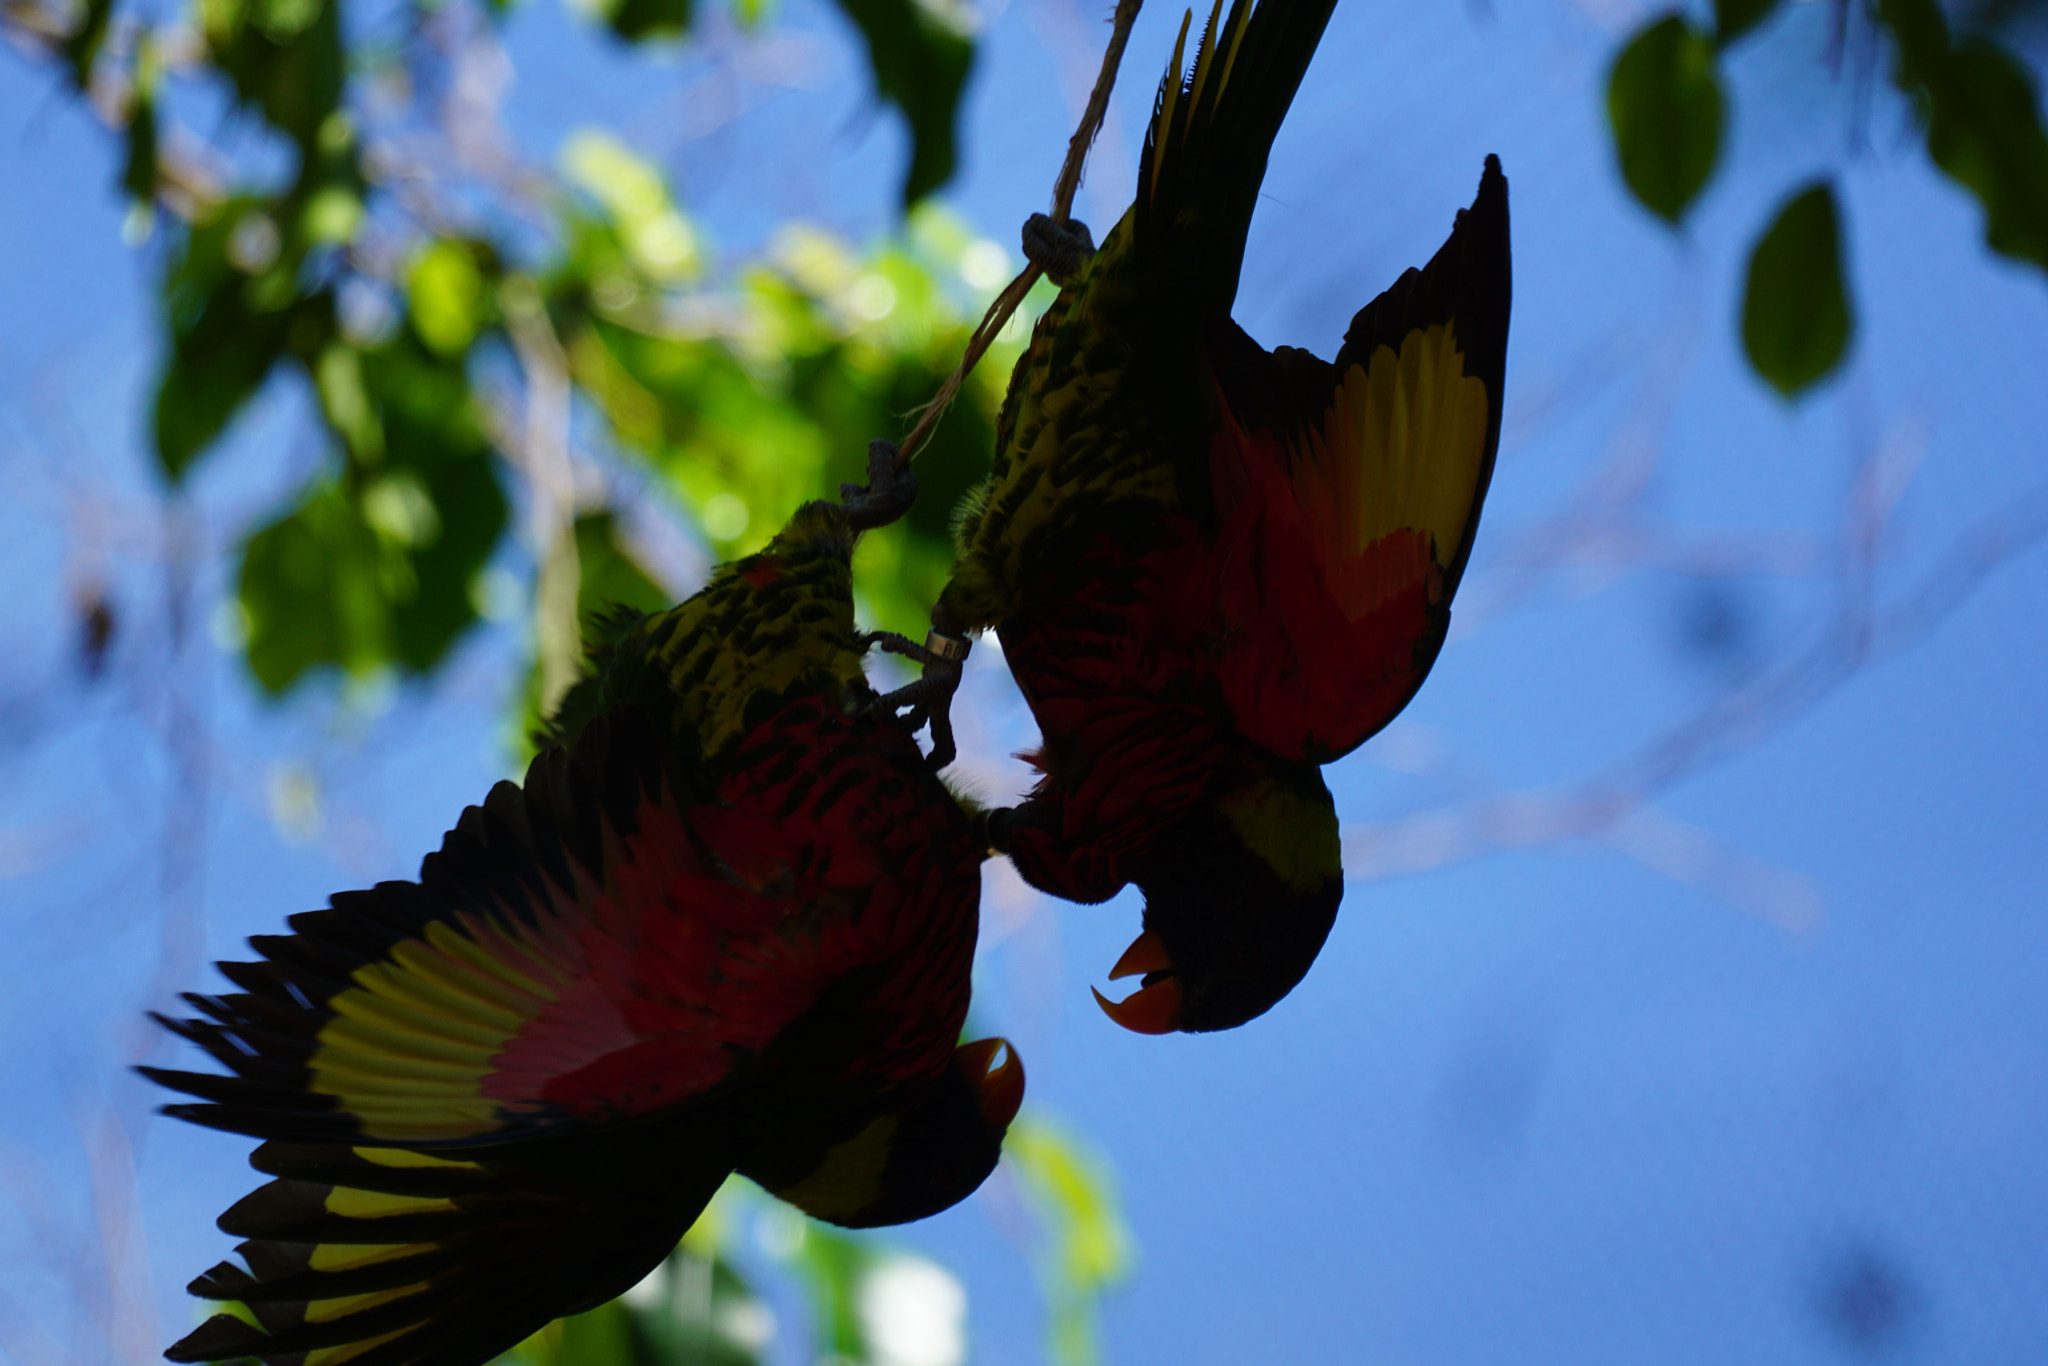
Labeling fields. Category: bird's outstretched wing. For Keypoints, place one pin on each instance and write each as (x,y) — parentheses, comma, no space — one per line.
(597,946)
(1347,494)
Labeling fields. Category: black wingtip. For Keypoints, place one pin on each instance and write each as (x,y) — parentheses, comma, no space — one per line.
(220,1338)
(1490,203)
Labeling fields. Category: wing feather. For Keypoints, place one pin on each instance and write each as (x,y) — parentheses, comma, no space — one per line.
(1349,494)
(383,1257)
(530,982)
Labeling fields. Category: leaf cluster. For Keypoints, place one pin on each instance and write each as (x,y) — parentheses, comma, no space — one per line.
(705,1305)
(1979,115)
(740,395)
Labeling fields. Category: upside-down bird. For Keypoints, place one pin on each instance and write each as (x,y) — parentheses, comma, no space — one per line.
(726,923)
(1214,568)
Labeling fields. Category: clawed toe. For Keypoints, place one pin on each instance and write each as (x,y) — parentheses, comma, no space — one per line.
(927,701)
(890,642)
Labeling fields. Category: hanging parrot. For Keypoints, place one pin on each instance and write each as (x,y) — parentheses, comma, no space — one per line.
(726,923)
(1213,568)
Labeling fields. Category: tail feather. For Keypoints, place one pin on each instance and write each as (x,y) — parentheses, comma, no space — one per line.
(1205,152)
(387,1257)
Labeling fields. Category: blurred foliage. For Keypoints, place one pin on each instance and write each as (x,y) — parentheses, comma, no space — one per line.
(866,1301)
(743,392)
(376,563)
(1979,113)
(1733,18)
(1795,308)
(1982,117)
(1088,1246)
(753,399)
(921,56)
(1664,100)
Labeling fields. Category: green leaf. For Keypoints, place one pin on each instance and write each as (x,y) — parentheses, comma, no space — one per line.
(446,296)
(284,56)
(608,575)
(660,243)
(834,1264)
(375,567)
(1733,18)
(1796,317)
(1088,1245)
(603,1336)
(345,403)
(138,167)
(638,20)
(82,47)
(316,587)
(1664,102)
(920,55)
(1983,120)
(1986,134)
(233,310)
(1920,33)
(433,435)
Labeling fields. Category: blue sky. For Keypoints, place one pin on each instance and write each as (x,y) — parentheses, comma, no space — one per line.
(1757,1071)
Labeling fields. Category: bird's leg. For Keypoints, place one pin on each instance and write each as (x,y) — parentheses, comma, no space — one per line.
(887,495)
(928,700)
(1061,250)
(895,644)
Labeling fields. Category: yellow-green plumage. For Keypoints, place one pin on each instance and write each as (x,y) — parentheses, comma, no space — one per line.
(1109,406)
(1070,440)
(764,629)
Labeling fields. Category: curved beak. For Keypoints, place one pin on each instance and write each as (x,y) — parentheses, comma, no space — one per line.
(1147,953)
(1000,1087)
(1155,1007)
(1149,1010)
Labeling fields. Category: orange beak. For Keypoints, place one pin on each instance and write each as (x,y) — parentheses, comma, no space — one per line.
(1001,1088)
(1154,1009)
(1147,953)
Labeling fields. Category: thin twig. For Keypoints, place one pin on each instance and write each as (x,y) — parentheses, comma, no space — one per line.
(1064,189)
(1859,634)
(543,454)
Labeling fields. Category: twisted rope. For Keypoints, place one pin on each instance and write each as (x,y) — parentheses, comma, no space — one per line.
(1063,192)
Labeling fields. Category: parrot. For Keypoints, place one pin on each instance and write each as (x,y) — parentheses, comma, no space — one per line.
(1212,568)
(725,923)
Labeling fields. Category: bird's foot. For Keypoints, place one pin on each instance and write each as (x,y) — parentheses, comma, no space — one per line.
(1061,250)
(887,495)
(928,700)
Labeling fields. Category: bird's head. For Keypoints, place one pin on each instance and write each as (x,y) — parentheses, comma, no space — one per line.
(1239,895)
(923,1148)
